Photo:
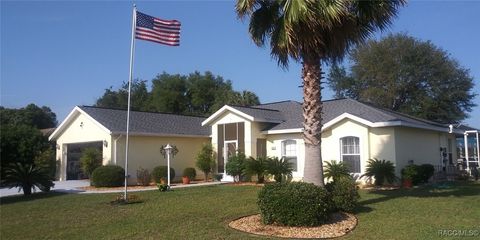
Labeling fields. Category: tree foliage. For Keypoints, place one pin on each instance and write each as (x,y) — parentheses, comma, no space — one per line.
(193,94)
(90,160)
(205,160)
(31,115)
(312,32)
(405,74)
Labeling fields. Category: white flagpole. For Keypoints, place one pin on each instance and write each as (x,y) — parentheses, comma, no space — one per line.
(132,51)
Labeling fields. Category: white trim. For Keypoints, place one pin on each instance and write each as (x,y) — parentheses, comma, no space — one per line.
(223,110)
(291,130)
(141,134)
(69,119)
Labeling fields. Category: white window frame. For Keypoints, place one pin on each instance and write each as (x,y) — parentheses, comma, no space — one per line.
(284,153)
(359,154)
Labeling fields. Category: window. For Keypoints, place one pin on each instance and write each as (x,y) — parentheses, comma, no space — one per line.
(289,152)
(350,153)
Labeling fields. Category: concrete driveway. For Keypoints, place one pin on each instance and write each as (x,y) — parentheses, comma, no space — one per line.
(60,186)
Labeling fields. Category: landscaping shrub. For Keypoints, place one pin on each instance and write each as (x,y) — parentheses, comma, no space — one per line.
(189,172)
(90,160)
(294,204)
(412,172)
(205,161)
(256,167)
(281,169)
(160,172)
(426,171)
(218,177)
(236,166)
(143,177)
(382,170)
(27,176)
(335,170)
(108,176)
(343,194)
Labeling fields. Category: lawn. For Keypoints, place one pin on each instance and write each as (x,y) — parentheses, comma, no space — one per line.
(203,213)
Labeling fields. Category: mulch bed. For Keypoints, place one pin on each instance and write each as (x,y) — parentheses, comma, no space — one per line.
(130,187)
(339,225)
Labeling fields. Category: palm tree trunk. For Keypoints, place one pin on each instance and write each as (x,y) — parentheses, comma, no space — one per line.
(312,115)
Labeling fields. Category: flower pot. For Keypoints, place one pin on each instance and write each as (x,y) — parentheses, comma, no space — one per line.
(186,180)
(407,183)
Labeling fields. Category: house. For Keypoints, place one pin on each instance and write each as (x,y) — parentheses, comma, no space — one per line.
(353,132)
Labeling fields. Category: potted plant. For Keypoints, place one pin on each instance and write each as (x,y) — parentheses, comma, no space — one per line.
(188,175)
(408,174)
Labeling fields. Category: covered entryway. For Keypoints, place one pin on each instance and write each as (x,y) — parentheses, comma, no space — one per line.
(74,153)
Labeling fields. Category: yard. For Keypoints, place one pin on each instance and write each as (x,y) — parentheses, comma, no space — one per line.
(203,213)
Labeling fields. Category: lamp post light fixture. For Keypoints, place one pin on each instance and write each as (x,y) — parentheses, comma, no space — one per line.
(168,149)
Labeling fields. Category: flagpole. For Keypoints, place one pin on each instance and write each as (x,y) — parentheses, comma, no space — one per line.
(132,51)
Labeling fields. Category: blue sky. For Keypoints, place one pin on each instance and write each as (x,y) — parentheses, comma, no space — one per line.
(65,53)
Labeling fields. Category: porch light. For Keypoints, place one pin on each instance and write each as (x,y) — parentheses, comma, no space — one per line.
(105,143)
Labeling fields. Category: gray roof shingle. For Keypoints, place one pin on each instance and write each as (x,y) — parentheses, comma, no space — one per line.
(148,123)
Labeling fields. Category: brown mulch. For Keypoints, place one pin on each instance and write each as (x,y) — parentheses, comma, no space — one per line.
(339,225)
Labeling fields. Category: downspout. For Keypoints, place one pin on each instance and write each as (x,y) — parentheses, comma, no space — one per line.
(115,149)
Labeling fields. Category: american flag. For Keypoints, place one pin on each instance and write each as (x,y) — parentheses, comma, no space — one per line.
(157,30)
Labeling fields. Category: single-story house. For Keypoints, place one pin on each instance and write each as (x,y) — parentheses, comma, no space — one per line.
(353,132)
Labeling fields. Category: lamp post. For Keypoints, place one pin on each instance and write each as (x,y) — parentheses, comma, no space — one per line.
(168,149)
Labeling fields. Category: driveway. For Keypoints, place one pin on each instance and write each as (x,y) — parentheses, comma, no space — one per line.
(61,186)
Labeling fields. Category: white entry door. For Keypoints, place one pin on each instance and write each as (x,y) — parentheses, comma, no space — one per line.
(229,149)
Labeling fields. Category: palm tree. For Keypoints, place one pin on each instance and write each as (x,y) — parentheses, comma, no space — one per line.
(312,32)
(335,170)
(27,176)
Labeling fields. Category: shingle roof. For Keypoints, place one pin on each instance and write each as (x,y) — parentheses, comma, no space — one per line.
(264,114)
(291,112)
(148,123)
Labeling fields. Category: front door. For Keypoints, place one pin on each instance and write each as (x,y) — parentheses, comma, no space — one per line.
(230,149)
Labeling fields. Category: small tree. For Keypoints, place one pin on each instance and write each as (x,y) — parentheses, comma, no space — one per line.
(27,176)
(205,161)
(46,160)
(90,160)
(236,166)
(256,166)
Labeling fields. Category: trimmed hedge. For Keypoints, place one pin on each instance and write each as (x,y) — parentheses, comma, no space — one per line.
(343,194)
(108,176)
(426,171)
(160,172)
(418,174)
(294,204)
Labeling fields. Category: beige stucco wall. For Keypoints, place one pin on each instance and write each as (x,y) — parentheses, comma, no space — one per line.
(144,151)
(274,149)
(345,128)
(81,129)
(421,146)
(382,143)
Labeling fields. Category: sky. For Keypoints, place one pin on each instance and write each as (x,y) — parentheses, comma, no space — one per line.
(66,53)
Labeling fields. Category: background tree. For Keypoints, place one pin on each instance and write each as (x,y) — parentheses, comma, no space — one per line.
(405,74)
(119,98)
(31,115)
(313,32)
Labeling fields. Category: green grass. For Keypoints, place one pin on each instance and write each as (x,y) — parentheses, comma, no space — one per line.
(203,213)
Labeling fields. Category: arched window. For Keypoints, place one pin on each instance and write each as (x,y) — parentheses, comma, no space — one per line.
(350,153)
(289,152)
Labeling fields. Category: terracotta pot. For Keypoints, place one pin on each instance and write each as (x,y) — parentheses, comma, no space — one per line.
(186,180)
(407,183)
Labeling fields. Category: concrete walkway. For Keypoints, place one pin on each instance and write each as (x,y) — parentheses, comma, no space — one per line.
(74,186)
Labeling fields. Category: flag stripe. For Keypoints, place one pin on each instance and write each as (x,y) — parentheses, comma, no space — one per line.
(157,30)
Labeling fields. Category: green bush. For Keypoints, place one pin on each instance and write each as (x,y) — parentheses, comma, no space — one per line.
(343,194)
(27,176)
(281,169)
(335,170)
(411,172)
(90,160)
(294,204)
(236,166)
(143,177)
(256,167)
(382,170)
(426,171)
(204,160)
(160,172)
(108,176)
(189,172)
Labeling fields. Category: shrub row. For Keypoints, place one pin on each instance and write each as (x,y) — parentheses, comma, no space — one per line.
(304,204)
